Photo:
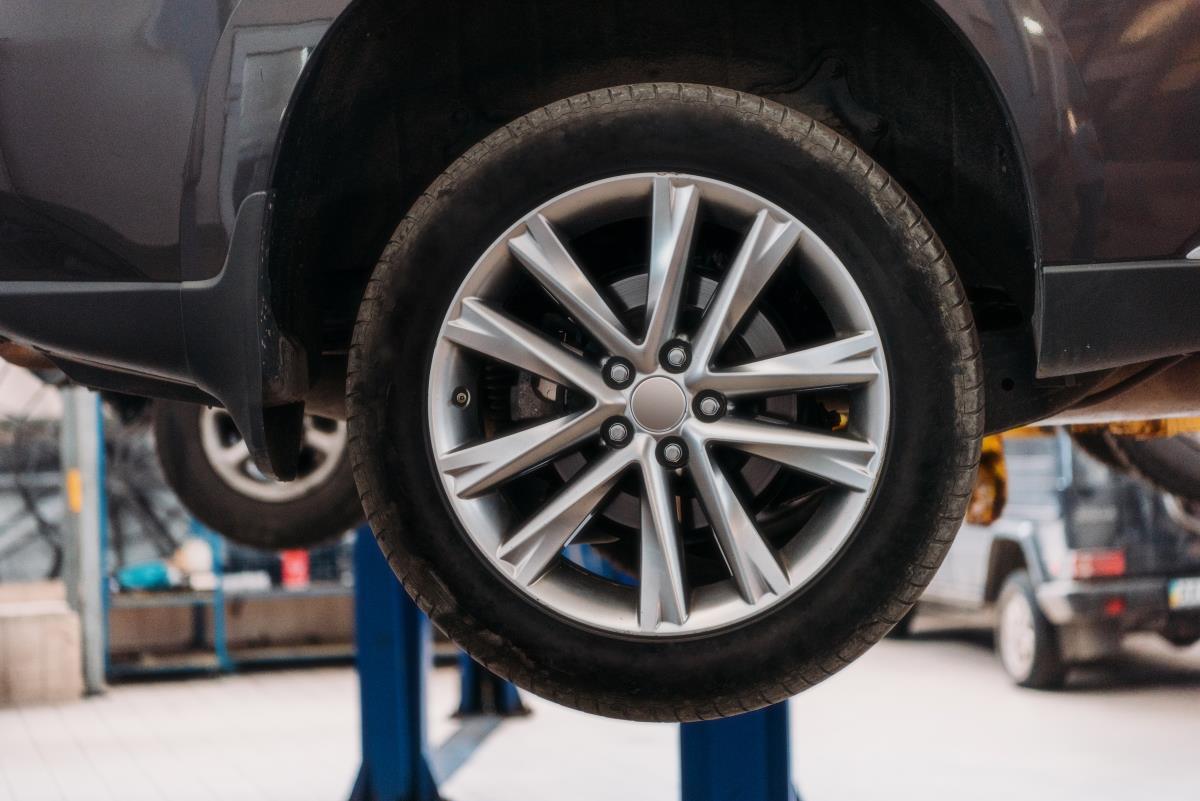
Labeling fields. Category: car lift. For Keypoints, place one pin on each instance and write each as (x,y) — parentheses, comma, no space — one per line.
(744,758)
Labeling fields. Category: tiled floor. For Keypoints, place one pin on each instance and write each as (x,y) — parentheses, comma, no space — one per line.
(293,736)
(263,736)
(933,718)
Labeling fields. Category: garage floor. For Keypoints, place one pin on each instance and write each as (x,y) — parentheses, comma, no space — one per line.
(928,719)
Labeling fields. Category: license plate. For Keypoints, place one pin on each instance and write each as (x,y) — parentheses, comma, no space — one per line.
(1183,593)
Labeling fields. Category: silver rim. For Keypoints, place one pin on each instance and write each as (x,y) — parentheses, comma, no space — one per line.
(227,453)
(630,423)
(1018,638)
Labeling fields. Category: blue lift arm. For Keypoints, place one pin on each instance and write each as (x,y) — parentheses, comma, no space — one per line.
(744,758)
(392,637)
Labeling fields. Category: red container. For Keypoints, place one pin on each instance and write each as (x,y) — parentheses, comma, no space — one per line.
(294,568)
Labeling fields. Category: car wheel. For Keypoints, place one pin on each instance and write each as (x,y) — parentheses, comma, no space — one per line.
(206,462)
(1026,641)
(1182,640)
(1171,464)
(685,324)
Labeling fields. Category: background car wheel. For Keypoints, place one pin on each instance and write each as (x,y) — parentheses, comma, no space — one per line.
(1182,640)
(207,464)
(682,323)
(1171,464)
(1026,642)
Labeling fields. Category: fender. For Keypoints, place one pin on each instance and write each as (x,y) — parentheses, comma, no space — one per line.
(260,63)
(1095,160)
(1021,47)
(199,329)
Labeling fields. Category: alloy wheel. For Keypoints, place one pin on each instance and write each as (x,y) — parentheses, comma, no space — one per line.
(1018,638)
(712,406)
(322,447)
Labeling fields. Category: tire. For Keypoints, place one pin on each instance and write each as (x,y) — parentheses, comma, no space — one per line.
(1182,640)
(1171,464)
(904,629)
(1026,642)
(689,135)
(239,503)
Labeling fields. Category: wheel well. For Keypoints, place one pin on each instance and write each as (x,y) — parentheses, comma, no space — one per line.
(398,91)
(1005,558)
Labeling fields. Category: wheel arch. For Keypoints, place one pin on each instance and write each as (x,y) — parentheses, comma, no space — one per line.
(1006,557)
(393,95)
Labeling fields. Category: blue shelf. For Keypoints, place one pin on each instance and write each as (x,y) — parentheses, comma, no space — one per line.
(160,600)
(219,658)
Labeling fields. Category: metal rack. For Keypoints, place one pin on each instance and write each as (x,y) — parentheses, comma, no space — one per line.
(219,657)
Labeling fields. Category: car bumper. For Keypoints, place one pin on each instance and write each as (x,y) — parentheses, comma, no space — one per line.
(1132,604)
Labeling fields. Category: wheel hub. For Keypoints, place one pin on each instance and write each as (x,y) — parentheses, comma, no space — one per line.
(658,404)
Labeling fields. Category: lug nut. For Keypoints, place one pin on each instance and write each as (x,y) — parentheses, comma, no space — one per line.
(672,452)
(461,397)
(617,432)
(618,373)
(709,406)
(675,355)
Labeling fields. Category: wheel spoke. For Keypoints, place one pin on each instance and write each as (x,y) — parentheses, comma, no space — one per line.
(842,460)
(545,256)
(672,228)
(662,594)
(234,455)
(479,468)
(752,561)
(532,549)
(486,330)
(766,245)
(324,442)
(845,362)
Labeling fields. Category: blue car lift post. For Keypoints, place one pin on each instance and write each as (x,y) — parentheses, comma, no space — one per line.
(744,758)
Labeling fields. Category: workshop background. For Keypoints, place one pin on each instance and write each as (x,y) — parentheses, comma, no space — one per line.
(144,656)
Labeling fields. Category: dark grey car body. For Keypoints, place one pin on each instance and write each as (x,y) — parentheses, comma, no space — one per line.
(192,192)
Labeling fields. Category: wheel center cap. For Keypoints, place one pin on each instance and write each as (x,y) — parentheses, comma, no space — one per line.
(658,404)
